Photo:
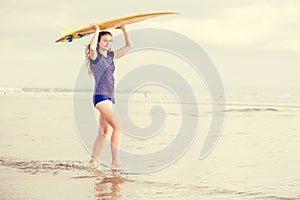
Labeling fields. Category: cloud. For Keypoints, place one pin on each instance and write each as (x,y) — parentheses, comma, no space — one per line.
(261,25)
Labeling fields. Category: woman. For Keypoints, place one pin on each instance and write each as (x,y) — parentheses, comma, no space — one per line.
(100,62)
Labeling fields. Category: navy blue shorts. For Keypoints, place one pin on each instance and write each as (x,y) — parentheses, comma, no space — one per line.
(99,97)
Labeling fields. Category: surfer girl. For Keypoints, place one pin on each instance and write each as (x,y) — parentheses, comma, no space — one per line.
(100,63)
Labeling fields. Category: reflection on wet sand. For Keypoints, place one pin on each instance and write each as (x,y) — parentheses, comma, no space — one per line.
(109,187)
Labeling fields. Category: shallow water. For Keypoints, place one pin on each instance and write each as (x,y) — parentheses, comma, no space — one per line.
(256,157)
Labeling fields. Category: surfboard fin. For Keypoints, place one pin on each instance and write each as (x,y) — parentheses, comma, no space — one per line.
(66,30)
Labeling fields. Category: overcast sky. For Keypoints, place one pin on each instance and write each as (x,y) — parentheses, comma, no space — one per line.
(253,43)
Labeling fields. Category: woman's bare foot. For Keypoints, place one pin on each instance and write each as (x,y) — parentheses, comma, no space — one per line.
(116,166)
(93,162)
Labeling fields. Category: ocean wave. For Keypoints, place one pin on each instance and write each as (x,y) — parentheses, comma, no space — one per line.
(33,90)
(48,165)
(252,110)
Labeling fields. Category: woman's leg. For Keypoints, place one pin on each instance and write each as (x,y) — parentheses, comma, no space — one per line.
(100,139)
(105,108)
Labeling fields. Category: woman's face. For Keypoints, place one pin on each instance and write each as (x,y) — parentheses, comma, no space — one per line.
(105,42)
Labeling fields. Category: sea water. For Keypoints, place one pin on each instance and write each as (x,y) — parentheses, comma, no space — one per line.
(256,156)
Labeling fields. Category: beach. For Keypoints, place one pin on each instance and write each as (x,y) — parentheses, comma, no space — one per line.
(256,156)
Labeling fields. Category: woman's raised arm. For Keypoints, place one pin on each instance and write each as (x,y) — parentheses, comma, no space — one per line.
(94,41)
(124,50)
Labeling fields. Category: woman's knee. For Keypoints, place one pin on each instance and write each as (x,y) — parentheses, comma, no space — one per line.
(105,131)
(103,125)
(116,128)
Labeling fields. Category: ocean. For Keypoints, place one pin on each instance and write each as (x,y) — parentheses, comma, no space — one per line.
(256,155)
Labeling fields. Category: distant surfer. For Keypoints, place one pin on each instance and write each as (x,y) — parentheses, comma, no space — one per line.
(100,63)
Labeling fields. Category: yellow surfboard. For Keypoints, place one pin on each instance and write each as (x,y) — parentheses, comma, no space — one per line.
(71,35)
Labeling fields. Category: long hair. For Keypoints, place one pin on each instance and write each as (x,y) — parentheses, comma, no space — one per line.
(87,52)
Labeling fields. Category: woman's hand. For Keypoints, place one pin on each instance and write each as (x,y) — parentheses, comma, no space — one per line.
(95,27)
(122,27)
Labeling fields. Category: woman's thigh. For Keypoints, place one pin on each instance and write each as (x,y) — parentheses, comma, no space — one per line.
(106,113)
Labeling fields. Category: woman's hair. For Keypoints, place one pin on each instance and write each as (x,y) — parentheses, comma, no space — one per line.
(87,52)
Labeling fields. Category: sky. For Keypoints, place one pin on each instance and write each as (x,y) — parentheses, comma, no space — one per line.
(254,44)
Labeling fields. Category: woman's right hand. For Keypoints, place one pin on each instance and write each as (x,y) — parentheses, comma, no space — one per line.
(95,27)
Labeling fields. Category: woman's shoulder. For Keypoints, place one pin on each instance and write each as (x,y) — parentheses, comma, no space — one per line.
(111,54)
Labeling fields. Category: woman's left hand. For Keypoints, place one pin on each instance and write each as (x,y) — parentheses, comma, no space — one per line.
(122,27)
